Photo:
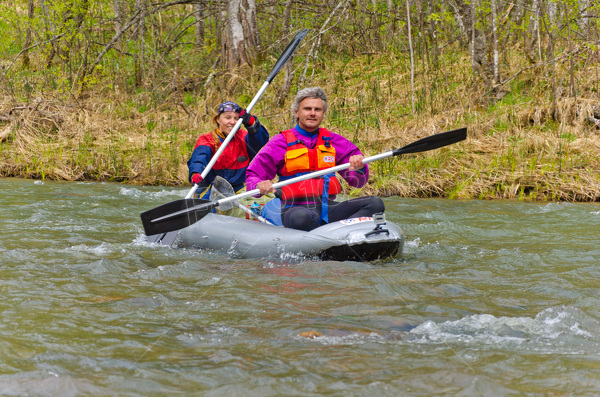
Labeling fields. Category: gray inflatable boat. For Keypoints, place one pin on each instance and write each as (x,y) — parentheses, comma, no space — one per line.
(357,239)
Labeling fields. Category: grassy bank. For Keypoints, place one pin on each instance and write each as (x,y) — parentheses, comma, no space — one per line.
(523,142)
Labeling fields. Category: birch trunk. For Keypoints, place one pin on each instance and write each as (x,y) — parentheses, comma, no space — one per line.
(242,39)
(251,26)
(495,39)
(477,39)
(531,40)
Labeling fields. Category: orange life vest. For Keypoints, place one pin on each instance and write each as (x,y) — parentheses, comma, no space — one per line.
(300,160)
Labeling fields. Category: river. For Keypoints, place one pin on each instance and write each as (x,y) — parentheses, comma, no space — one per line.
(489,298)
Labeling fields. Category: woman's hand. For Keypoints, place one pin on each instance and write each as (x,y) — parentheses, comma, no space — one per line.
(247,119)
(197,178)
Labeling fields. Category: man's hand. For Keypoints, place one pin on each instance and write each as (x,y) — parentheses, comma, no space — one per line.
(265,187)
(356,162)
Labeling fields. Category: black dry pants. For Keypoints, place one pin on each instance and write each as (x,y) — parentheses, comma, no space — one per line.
(308,216)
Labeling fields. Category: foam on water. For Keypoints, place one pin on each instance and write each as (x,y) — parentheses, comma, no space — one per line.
(164,193)
(566,328)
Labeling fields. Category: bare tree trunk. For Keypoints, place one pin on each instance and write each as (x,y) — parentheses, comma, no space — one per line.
(472,20)
(30,11)
(199,32)
(234,50)
(553,66)
(251,26)
(583,22)
(391,8)
(412,62)
(533,31)
(551,11)
(241,36)
(460,15)
(49,32)
(476,37)
(432,31)
(375,26)
(519,12)
(140,6)
(421,17)
(572,90)
(495,40)
(289,66)
(219,24)
(118,9)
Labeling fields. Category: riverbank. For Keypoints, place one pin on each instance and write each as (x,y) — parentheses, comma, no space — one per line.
(515,148)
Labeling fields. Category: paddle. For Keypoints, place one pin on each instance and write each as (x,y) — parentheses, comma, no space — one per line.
(167,239)
(182,213)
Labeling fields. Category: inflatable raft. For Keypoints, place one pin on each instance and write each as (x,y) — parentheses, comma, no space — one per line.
(362,239)
(357,239)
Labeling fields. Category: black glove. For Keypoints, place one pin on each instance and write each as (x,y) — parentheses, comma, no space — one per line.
(247,119)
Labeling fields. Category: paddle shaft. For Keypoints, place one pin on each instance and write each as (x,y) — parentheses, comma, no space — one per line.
(252,213)
(222,182)
(422,145)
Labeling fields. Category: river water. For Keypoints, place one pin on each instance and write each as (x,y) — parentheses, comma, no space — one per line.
(489,298)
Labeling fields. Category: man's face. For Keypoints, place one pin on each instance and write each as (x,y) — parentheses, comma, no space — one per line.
(310,114)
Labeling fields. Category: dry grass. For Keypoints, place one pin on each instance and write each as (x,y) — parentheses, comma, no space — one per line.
(518,148)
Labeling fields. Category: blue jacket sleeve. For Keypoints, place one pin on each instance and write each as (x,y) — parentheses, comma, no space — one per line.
(200,158)
(257,137)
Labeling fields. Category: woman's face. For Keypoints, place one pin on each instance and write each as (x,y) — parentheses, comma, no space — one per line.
(226,121)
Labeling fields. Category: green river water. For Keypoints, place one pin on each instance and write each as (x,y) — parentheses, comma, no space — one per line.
(489,298)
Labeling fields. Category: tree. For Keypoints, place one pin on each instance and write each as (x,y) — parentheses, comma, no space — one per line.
(30,11)
(199,31)
(241,42)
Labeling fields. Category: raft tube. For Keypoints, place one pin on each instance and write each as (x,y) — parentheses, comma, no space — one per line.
(357,239)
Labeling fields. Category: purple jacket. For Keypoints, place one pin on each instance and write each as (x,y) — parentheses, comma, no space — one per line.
(269,161)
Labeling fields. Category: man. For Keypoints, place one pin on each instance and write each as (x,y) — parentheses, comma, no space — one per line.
(306,148)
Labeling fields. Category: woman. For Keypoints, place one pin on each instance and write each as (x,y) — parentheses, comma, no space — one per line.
(234,159)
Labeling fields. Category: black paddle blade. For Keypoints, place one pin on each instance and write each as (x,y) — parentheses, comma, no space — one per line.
(163,238)
(434,141)
(175,215)
(287,53)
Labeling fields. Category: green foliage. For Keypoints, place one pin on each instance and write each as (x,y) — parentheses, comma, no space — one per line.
(150,125)
(568,137)
(189,99)
(243,100)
